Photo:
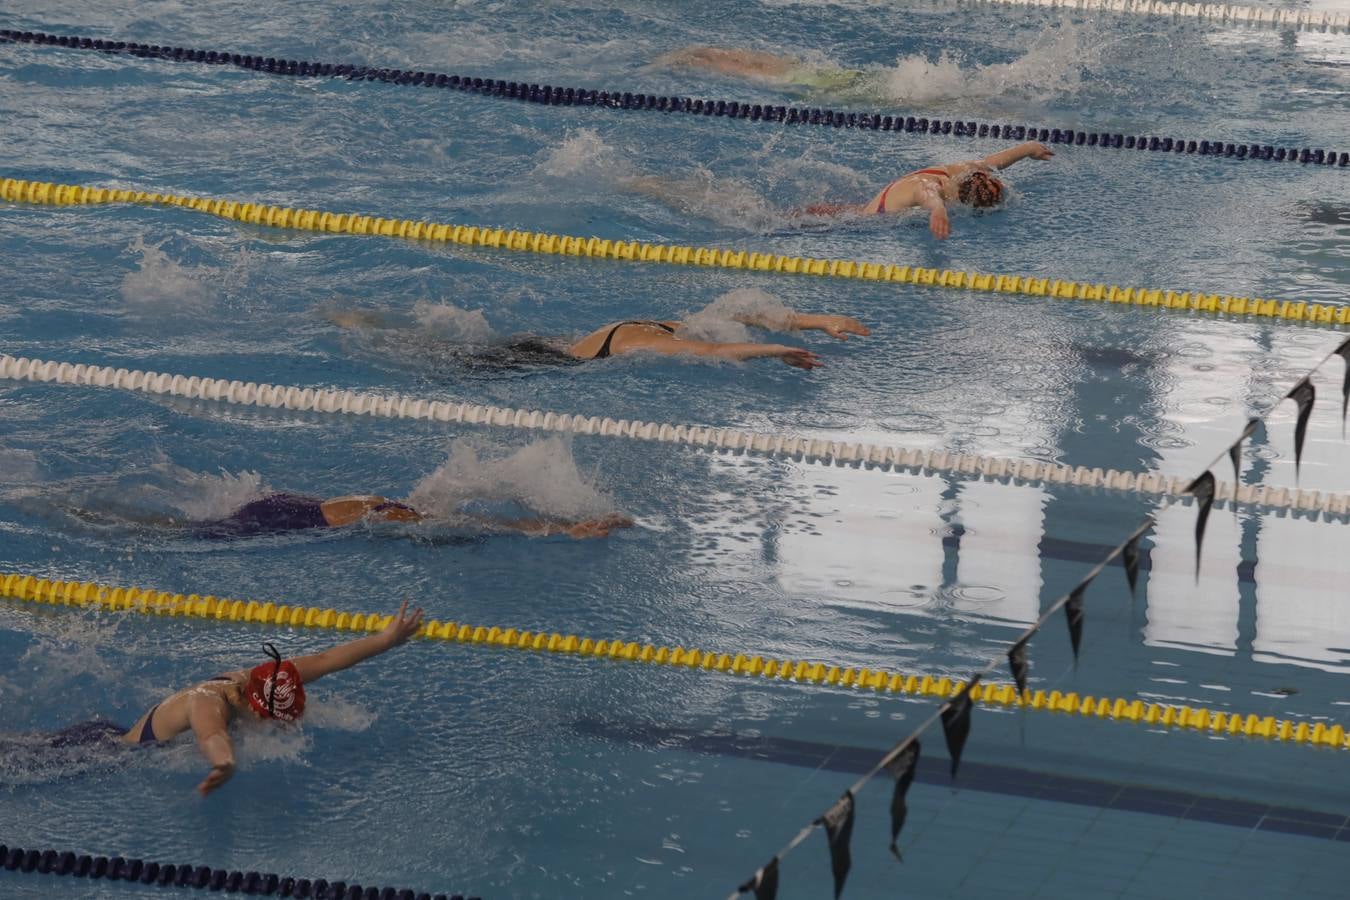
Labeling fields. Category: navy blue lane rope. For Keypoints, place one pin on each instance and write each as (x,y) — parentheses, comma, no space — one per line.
(116,868)
(551,95)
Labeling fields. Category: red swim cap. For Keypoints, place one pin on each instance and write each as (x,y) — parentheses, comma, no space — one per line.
(288,694)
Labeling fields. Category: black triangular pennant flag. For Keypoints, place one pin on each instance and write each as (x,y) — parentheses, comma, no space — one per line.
(956,722)
(1130,555)
(903,768)
(1343,351)
(765,882)
(1017,661)
(1073,612)
(1235,454)
(1304,394)
(1203,489)
(838,822)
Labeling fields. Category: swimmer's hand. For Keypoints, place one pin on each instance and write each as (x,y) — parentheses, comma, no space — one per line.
(939,224)
(218,775)
(835,326)
(1037,150)
(598,528)
(402,626)
(797,357)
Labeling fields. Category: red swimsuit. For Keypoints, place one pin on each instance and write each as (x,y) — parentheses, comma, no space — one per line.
(881,201)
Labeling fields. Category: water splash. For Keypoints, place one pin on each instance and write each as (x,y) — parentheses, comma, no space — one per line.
(445,321)
(541,476)
(161,285)
(718,321)
(584,153)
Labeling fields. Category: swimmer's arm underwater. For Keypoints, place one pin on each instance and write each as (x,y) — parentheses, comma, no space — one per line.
(402,626)
(1031,149)
(544,527)
(207,716)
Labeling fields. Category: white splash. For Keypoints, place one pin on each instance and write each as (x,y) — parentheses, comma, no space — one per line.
(160,284)
(542,476)
(448,322)
(583,153)
(718,321)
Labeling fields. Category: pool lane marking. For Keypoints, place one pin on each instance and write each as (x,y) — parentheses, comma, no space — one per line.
(991,778)
(29,588)
(53,194)
(1333,507)
(765,113)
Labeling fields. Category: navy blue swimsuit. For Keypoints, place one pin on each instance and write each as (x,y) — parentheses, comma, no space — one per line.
(281,511)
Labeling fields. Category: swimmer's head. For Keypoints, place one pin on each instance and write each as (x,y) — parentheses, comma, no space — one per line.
(980,190)
(274,689)
(393,511)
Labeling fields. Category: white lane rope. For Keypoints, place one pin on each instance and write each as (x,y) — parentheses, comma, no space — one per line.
(885,457)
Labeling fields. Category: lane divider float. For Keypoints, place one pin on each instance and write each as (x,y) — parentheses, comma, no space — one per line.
(45,592)
(117,868)
(1335,507)
(1236,13)
(53,194)
(767,113)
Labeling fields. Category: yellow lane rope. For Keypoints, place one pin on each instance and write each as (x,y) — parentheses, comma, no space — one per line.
(49,193)
(31,589)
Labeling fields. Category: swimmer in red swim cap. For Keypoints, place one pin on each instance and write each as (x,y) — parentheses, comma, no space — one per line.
(274,690)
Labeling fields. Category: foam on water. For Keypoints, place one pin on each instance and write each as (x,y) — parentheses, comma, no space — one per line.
(446,321)
(718,320)
(162,285)
(542,476)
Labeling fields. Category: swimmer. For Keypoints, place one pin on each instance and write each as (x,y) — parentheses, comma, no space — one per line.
(273,691)
(650,336)
(285,511)
(972,183)
(281,511)
(760,66)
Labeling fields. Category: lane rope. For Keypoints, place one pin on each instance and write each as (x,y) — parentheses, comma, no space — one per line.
(553,95)
(360,403)
(52,194)
(117,868)
(45,592)
(1236,13)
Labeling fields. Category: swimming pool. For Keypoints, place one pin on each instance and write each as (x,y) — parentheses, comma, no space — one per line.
(461,768)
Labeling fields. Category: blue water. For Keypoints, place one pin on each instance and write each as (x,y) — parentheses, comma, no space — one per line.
(456,768)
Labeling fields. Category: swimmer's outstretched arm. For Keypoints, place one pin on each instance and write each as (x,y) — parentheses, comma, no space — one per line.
(402,626)
(1031,149)
(835,326)
(793,356)
(544,526)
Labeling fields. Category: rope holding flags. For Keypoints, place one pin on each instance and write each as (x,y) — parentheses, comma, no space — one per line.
(955,714)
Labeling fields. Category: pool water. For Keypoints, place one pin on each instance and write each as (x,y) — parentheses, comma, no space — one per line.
(458,768)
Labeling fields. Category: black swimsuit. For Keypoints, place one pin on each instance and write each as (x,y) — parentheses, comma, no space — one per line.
(603,352)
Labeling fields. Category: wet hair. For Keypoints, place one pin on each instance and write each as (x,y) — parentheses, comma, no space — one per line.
(980,190)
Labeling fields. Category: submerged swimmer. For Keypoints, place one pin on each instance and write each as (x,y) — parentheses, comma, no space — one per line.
(272,691)
(664,337)
(972,183)
(756,64)
(285,511)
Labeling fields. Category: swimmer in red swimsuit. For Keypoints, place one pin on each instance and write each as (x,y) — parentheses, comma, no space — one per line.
(971,183)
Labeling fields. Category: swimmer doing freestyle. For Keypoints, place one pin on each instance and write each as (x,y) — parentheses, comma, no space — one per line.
(652,336)
(271,692)
(285,511)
